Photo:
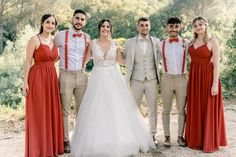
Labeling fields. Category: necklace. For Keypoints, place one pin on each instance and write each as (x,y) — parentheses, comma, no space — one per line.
(46,40)
(199,41)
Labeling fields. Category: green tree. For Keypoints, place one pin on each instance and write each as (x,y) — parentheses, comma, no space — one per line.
(229,74)
(11,69)
(123,14)
(14,15)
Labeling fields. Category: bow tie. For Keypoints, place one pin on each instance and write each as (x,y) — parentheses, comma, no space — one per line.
(77,35)
(143,39)
(173,40)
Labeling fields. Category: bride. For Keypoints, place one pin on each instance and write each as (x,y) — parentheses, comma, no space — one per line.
(109,123)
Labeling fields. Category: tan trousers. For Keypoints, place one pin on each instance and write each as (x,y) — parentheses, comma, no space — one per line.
(149,89)
(173,85)
(71,83)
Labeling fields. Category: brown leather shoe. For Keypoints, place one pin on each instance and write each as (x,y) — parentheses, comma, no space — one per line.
(181,141)
(167,141)
(66,147)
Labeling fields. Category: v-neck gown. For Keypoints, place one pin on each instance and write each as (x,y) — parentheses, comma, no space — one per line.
(109,123)
(205,124)
(44,126)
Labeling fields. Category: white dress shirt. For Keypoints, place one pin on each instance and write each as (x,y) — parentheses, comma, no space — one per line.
(76,48)
(174,56)
(143,43)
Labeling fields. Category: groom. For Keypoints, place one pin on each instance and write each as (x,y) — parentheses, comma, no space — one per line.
(142,59)
(72,45)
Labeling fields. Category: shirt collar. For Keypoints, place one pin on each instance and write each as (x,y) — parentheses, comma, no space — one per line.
(74,32)
(142,38)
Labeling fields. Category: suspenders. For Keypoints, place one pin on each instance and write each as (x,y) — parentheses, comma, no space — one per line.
(85,53)
(184,56)
(164,56)
(66,50)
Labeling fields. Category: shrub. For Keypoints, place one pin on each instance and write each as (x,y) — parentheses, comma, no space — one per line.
(11,69)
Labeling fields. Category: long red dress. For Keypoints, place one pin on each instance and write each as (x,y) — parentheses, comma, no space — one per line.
(205,124)
(44,136)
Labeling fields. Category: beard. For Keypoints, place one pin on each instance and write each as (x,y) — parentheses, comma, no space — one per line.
(173,34)
(144,34)
(78,29)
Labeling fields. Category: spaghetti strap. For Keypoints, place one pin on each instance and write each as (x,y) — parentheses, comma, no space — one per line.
(39,38)
(211,38)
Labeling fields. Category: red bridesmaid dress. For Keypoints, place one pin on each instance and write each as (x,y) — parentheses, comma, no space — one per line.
(205,124)
(44,136)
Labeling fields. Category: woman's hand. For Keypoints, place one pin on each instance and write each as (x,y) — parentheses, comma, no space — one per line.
(25,89)
(214,89)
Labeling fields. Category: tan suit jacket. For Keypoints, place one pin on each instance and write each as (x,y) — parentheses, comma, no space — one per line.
(129,54)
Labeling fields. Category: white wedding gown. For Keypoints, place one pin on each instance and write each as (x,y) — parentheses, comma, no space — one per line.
(109,123)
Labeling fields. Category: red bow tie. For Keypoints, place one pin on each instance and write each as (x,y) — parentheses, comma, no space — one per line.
(173,40)
(77,35)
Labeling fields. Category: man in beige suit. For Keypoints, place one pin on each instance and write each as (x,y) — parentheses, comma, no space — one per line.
(142,59)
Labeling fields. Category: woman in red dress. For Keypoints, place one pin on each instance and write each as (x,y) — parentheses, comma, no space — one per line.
(44,125)
(205,124)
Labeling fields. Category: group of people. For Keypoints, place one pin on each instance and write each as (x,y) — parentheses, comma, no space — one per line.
(108,118)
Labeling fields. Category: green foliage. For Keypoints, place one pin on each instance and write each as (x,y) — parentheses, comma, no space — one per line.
(63,26)
(89,66)
(9,32)
(232,41)
(11,69)
(229,74)
(124,15)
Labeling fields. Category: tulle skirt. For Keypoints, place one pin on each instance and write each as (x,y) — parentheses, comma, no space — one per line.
(109,123)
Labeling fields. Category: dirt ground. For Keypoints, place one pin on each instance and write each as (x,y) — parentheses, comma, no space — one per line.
(12,138)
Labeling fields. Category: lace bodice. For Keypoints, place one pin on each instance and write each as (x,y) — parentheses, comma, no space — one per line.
(98,55)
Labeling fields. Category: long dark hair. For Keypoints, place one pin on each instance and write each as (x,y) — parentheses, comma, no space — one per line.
(101,23)
(44,17)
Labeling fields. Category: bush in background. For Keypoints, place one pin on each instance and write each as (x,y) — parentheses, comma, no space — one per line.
(12,67)
(229,73)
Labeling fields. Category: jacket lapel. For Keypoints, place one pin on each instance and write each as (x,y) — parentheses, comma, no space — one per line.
(133,48)
(153,47)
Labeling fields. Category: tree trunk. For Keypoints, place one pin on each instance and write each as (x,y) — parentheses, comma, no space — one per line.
(2,2)
(1,39)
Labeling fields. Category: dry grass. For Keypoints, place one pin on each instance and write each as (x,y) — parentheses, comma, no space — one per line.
(11,120)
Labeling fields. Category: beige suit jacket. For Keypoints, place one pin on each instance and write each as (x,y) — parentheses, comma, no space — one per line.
(129,54)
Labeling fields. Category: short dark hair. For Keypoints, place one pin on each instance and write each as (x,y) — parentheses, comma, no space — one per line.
(79,11)
(174,20)
(45,17)
(143,19)
(101,23)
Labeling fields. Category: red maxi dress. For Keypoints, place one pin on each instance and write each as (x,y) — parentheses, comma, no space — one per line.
(205,124)
(44,136)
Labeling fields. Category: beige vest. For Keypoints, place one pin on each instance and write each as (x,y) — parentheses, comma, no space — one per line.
(144,64)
